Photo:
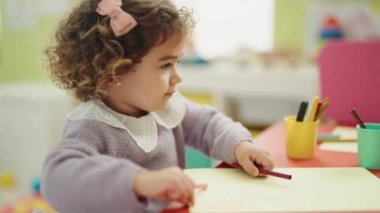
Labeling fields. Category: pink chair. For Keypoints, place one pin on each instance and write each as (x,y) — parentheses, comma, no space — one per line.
(350,77)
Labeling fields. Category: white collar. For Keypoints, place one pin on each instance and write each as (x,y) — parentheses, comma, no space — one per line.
(143,129)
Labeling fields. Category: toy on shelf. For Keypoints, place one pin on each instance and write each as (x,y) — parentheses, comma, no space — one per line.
(28,204)
(36,186)
(330,29)
(31,203)
(7,179)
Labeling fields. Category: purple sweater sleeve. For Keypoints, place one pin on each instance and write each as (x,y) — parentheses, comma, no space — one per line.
(212,132)
(77,178)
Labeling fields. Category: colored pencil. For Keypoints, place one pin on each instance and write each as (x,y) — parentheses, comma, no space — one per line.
(313,109)
(301,111)
(357,118)
(325,104)
(275,174)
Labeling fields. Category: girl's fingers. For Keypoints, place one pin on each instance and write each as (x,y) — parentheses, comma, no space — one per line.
(249,167)
(266,162)
(266,152)
(186,187)
(185,193)
(202,186)
(174,195)
(188,183)
(181,189)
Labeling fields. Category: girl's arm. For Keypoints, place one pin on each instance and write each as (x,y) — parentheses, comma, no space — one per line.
(76,178)
(212,132)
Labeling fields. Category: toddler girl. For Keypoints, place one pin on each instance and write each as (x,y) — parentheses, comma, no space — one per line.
(123,148)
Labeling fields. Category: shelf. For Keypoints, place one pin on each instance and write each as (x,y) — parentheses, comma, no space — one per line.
(235,90)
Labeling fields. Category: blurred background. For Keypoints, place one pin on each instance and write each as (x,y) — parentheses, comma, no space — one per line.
(255,60)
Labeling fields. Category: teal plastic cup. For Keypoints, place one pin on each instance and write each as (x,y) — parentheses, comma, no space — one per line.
(369,146)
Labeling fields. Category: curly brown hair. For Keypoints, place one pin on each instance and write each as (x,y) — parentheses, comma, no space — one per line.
(87,56)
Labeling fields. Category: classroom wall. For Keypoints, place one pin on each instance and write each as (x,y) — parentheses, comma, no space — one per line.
(21,49)
(21,54)
(290,21)
(289,24)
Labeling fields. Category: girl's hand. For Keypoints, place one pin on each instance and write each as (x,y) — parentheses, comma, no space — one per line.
(169,184)
(249,156)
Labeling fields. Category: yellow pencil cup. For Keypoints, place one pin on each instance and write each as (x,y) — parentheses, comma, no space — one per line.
(301,138)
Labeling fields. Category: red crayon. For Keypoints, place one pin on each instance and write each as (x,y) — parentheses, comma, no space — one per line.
(266,171)
(275,174)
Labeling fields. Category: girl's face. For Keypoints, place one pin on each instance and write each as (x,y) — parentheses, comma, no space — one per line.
(150,84)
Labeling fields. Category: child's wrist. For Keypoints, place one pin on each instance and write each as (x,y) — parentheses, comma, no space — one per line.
(136,184)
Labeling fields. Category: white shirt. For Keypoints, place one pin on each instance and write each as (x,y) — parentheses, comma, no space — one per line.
(143,129)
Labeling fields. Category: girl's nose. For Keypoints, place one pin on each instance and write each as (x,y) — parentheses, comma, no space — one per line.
(175,78)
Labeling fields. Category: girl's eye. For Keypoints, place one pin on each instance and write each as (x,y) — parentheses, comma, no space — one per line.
(166,66)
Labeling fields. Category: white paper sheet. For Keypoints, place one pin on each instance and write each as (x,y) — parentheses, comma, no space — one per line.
(310,189)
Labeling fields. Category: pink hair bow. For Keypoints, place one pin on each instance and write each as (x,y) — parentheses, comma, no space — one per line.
(121,21)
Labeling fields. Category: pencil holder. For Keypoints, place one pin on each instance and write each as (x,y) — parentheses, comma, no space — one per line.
(369,146)
(301,138)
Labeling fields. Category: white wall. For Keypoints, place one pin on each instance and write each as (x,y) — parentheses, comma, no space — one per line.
(224,26)
(31,121)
